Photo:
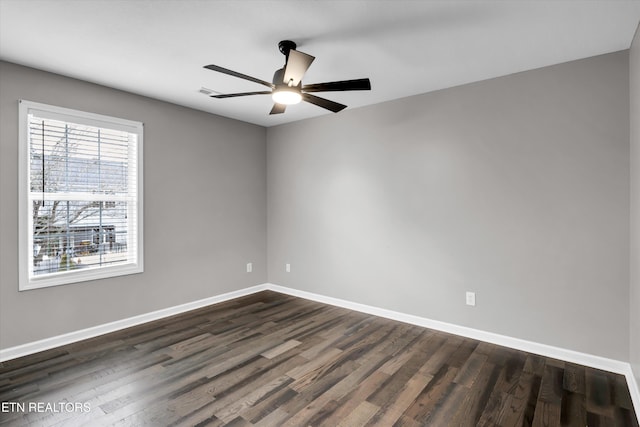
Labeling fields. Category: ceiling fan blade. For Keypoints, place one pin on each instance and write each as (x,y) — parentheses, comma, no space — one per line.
(239,75)
(324,103)
(234,95)
(358,84)
(278,108)
(297,65)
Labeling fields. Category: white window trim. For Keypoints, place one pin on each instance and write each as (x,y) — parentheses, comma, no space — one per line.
(25,222)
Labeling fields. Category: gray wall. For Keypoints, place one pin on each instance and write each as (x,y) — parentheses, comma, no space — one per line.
(634,90)
(205,210)
(516,188)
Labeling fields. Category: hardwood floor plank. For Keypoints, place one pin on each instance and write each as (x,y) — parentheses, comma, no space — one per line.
(599,392)
(328,339)
(232,388)
(261,410)
(620,392)
(359,416)
(462,353)
(32,361)
(534,364)
(449,404)
(397,381)
(546,414)
(436,391)
(301,370)
(282,348)
(235,408)
(573,379)
(500,410)
(532,401)
(405,421)
(348,402)
(326,403)
(393,410)
(358,352)
(269,359)
(314,390)
(551,387)
(548,408)
(470,370)
(512,370)
(442,354)
(479,391)
(520,409)
(274,418)
(574,413)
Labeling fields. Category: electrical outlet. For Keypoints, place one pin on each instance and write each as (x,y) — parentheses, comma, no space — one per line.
(287,268)
(249,267)
(471,299)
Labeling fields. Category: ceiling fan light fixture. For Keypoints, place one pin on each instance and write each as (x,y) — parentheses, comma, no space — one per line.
(286,96)
(286,88)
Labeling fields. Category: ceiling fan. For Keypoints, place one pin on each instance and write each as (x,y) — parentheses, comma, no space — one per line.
(287,87)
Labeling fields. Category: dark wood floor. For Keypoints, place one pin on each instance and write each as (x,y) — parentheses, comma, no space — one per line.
(274,360)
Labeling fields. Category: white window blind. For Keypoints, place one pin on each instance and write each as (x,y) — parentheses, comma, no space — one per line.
(81,204)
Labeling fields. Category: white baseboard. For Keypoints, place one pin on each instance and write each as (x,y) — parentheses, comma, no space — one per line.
(611,365)
(634,390)
(83,334)
(503,340)
(585,359)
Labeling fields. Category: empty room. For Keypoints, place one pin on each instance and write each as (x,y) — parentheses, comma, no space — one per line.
(319,213)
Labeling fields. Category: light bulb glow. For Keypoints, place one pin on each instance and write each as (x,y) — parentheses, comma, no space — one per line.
(286,96)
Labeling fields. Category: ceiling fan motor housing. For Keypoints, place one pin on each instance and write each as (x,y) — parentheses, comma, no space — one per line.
(278,79)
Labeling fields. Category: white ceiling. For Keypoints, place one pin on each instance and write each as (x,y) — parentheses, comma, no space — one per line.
(158,48)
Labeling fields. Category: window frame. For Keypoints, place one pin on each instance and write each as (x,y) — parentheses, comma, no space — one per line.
(27,280)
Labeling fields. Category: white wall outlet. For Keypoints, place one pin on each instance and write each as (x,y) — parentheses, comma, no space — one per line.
(287,268)
(249,267)
(471,298)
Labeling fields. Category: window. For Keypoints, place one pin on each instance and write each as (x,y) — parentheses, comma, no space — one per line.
(80,196)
